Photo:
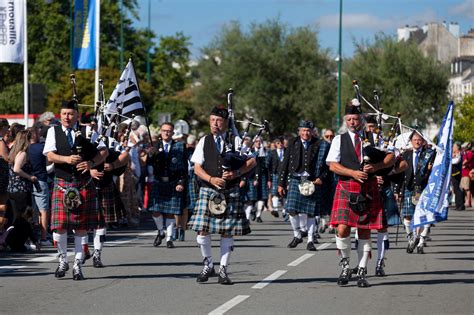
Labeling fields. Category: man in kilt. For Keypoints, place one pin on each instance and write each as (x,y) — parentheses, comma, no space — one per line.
(274,162)
(420,161)
(356,183)
(324,192)
(74,198)
(216,185)
(296,180)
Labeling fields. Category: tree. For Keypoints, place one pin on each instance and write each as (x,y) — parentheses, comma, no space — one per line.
(464,119)
(407,82)
(278,73)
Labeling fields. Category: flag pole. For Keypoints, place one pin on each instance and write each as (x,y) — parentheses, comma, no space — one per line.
(97,50)
(25,63)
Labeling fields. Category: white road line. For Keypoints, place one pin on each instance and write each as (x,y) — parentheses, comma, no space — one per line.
(323,246)
(229,304)
(262,284)
(4,269)
(298,261)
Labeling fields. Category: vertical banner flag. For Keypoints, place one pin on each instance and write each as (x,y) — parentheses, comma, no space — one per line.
(433,204)
(84,38)
(11,31)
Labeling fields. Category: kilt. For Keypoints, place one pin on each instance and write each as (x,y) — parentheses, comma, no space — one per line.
(408,208)
(390,206)
(295,202)
(274,190)
(256,193)
(374,217)
(192,192)
(86,217)
(165,199)
(108,201)
(234,223)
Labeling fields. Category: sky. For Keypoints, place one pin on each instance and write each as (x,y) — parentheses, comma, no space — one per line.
(201,20)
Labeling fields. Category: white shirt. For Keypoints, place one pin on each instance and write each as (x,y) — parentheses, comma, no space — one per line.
(50,143)
(198,155)
(334,154)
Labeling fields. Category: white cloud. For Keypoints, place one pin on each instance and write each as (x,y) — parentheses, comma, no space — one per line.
(465,8)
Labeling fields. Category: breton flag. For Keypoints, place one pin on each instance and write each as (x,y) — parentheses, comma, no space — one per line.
(12,23)
(125,99)
(433,204)
(84,41)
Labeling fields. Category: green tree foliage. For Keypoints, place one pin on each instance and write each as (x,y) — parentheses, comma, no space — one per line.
(278,73)
(464,119)
(407,81)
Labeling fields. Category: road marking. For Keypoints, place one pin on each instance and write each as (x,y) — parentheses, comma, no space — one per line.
(323,246)
(262,284)
(4,269)
(298,261)
(229,304)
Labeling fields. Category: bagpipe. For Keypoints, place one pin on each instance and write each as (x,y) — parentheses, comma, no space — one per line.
(234,157)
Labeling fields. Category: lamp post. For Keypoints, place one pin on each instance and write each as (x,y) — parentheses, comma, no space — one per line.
(339,67)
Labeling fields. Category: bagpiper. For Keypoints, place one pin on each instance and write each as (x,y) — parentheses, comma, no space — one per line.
(274,162)
(74,198)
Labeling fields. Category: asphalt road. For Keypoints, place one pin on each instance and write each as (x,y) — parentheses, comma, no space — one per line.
(268,277)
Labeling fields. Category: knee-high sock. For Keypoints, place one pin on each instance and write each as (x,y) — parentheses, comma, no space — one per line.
(318,221)
(275,202)
(343,244)
(424,234)
(382,240)
(260,205)
(61,243)
(170,223)
(303,221)
(295,224)
(78,248)
(99,238)
(407,224)
(204,242)
(248,211)
(363,251)
(158,222)
(227,246)
(311,228)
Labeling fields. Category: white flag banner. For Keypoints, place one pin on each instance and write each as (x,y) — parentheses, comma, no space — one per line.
(433,204)
(11,31)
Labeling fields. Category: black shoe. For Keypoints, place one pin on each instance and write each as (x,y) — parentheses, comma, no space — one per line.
(96,260)
(87,256)
(77,271)
(354,271)
(275,213)
(159,238)
(361,280)
(310,246)
(379,272)
(411,244)
(181,235)
(259,220)
(206,272)
(169,244)
(419,249)
(62,267)
(223,277)
(345,275)
(294,242)
(253,216)
(315,240)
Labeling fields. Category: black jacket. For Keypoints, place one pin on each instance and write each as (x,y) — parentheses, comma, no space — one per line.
(420,177)
(274,161)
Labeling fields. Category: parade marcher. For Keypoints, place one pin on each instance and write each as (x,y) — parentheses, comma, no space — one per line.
(466,181)
(357,201)
(212,215)
(275,160)
(420,160)
(324,192)
(74,197)
(168,172)
(456,177)
(297,179)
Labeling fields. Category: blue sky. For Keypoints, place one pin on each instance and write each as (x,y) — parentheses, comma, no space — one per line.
(201,20)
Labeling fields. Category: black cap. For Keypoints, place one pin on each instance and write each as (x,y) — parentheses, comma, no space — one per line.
(353,108)
(72,104)
(306,124)
(220,111)
(370,119)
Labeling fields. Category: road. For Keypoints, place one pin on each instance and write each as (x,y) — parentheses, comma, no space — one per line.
(268,277)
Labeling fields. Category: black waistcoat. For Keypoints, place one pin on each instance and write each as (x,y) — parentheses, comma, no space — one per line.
(348,155)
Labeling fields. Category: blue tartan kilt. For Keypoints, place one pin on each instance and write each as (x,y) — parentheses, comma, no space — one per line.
(390,206)
(234,223)
(165,199)
(192,192)
(295,202)
(259,192)
(274,190)
(408,208)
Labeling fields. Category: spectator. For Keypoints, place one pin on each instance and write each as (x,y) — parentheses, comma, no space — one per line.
(467,166)
(19,233)
(15,128)
(456,176)
(47,119)
(4,150)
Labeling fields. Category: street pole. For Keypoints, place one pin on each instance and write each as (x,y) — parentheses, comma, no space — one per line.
(97,51)
(25,63)
(339,66)
(121,36)
(148,65)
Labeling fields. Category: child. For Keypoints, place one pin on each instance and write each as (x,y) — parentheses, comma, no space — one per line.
(21,230)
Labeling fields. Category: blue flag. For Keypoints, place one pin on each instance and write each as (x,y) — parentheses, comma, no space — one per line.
(433,204)
(84,39)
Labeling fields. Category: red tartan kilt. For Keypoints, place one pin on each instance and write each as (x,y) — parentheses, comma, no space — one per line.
(86,217)
(109,203)
(343,214)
